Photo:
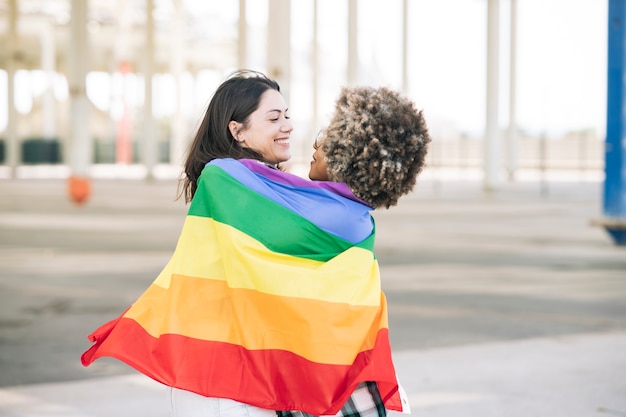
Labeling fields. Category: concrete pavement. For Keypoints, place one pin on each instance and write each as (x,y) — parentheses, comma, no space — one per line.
(572,376)
(500,304)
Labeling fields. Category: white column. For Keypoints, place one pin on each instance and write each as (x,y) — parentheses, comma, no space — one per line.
(512,142)
(150,139)
(279,44)
(177,66)
(314,125)
(353,52)
(243,36)
(492,134)
(48,65)
(80,151)
(11,143)
(405,46)
(315,59)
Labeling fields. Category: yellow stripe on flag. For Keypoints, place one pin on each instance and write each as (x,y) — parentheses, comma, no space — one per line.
(214,250)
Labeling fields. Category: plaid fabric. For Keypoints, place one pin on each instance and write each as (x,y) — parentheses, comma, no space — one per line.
(365,401)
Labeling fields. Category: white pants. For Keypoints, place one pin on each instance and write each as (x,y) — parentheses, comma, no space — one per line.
(187,404)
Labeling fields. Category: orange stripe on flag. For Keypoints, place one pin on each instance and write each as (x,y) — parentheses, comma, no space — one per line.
(320,331)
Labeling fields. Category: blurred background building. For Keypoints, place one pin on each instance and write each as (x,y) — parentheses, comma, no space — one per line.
(512,89)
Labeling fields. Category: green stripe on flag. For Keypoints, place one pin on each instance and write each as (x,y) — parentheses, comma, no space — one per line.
(223,198)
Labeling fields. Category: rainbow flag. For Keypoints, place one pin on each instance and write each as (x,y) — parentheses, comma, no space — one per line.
(272,297)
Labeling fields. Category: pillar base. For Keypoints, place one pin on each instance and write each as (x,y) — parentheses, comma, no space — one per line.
(619,236)
(615,227)
(79,189)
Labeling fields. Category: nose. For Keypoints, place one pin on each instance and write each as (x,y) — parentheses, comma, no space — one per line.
(287,127)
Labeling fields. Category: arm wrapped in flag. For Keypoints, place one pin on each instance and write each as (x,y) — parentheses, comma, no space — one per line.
(272,297)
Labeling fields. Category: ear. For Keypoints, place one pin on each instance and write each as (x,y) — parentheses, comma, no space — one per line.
(235,129)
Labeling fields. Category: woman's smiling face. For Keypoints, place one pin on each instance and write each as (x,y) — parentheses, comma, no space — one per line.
(268,129)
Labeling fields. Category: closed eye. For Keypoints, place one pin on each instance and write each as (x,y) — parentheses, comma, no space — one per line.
(278,113)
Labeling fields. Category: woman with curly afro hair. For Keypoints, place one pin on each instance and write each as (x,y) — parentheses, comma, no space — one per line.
(376,143)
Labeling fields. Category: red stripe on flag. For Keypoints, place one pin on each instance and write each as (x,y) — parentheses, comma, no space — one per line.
(271,379)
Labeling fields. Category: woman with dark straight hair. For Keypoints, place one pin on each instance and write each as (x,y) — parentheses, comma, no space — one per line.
(221,133)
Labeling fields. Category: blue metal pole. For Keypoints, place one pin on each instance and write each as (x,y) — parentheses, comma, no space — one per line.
(615,152)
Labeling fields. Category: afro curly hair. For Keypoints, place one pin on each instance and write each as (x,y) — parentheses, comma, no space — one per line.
(376,143)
